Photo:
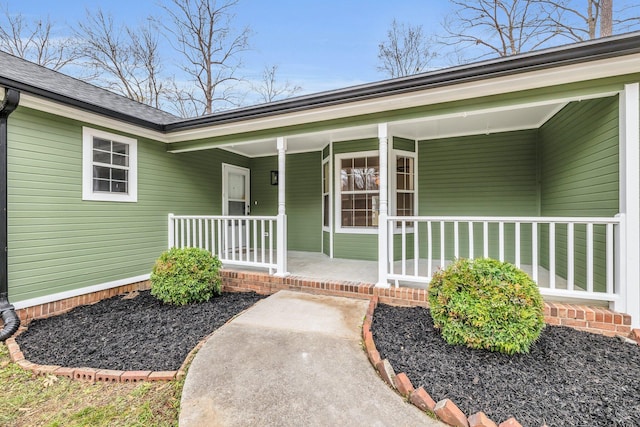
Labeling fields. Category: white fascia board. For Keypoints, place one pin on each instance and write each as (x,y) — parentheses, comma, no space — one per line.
(93,119)
(448,93)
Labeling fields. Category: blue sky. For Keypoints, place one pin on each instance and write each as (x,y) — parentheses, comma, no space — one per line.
(319,45)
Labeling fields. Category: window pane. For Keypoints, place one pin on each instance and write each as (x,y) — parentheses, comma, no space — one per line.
(119,174)
(325,219)
(101,157)
(101,172)
(120,160)
(325,177)
(118,187)
(410,173)
(346,180)
(375,210)
(347,201)
(100,185)
(359,179)
(373,179)
(347,219)
(360,218)
(404,204)
(360,201)
(236,185)
(120,148)
(101,144)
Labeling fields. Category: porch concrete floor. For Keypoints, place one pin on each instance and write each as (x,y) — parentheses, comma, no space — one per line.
(316,265)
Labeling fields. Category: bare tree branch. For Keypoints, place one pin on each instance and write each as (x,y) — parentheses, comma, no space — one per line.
(210,48)
(124,60)
(497,27)
(34,41)
(270,89)
(596,18)
(406,51)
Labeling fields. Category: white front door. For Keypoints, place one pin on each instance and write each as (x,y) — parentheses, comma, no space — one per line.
(235,202)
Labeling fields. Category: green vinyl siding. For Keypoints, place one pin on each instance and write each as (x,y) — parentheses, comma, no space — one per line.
(355,246)
(304,201)
(409,246)
(325,152)
(303,197)
(369,144)
(264,196)
(579,166)
(326,243)
(58,242)
(404,144)
(479,175)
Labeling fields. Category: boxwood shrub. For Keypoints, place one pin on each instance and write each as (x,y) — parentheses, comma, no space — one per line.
(183,276)
(486,304)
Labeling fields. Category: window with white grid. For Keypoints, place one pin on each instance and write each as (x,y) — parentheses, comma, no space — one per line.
(109,167)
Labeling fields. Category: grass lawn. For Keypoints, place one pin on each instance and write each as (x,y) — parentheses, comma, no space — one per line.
(29,400)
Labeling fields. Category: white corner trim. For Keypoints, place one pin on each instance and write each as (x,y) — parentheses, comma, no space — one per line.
(80,291)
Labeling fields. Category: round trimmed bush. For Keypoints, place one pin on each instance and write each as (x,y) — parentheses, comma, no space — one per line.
(486,304)
(183,276)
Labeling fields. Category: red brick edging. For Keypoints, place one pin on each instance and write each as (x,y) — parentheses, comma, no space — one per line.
(593,319)
(445,409)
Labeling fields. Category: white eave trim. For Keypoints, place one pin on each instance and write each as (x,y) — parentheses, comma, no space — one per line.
(93,119)
(448,93)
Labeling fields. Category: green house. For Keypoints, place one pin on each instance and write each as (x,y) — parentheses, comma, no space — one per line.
(532,159)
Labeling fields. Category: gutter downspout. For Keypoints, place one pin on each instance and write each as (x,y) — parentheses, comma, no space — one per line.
(9,316)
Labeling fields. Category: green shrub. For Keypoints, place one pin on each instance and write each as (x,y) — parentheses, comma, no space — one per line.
(486,304)
(183,276)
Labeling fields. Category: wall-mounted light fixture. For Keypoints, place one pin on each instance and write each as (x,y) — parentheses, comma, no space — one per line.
(274,177)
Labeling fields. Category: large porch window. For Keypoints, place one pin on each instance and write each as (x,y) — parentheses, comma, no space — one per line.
(359,181)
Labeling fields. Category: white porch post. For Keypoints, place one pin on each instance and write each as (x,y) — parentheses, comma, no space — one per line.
(281,239)
(383,235)
(629,267)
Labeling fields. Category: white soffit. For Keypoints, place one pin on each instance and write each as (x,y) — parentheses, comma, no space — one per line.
(452,92)
(431,127)
(477,122)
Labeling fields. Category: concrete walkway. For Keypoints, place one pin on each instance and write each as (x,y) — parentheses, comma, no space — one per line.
(293,359)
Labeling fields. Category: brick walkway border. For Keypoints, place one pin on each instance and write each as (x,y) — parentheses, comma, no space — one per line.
(446,410)
(593,319)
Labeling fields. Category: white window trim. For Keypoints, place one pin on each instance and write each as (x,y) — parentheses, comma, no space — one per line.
(87,167)
(338,192)
(328,178)
(394,184)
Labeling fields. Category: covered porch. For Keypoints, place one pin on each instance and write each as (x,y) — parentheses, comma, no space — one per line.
(548,183)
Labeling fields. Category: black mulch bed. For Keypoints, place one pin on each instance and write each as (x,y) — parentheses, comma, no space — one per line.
(570,377)
(129,334)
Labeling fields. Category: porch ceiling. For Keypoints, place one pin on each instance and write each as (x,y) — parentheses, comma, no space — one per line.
(432,127)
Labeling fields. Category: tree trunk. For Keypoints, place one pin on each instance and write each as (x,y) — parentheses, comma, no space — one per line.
(606,18)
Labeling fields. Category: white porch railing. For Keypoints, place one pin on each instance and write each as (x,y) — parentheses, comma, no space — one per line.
(236,240)
(567,257)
